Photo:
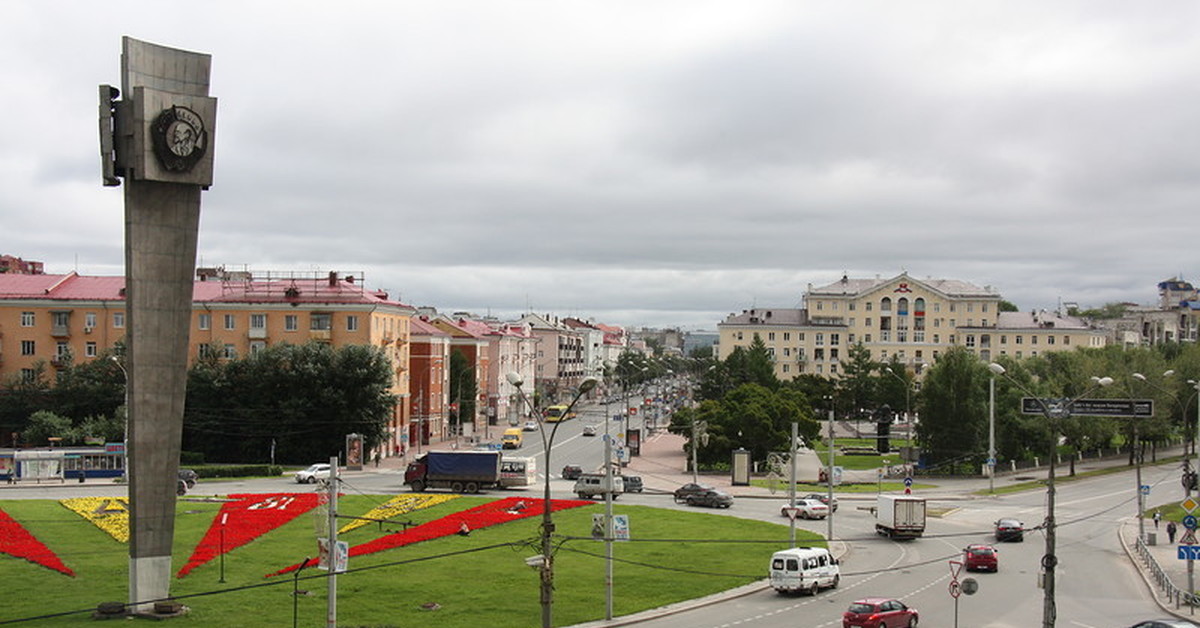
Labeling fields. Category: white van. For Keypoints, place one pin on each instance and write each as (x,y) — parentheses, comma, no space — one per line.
(596,484)
(804,569)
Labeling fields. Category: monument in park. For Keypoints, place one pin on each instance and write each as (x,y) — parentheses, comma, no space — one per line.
(157,136)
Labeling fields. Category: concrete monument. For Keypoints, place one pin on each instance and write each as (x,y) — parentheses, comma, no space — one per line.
(160,141)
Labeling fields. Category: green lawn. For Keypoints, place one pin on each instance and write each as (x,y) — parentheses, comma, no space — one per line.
(673,556)
(858,462)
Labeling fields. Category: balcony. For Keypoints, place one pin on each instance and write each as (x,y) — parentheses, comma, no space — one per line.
(258,333)
(324,335)
(60,331)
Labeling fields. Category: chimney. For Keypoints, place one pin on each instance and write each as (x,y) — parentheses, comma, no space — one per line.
(333,278)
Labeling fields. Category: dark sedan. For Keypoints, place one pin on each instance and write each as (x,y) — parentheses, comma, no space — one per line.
(710,499)
(691,488)
(1009,530)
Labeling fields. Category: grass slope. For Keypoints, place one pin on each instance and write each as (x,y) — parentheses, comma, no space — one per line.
(673,556)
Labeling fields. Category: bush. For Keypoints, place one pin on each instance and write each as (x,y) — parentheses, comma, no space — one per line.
(191,458)
(239,471)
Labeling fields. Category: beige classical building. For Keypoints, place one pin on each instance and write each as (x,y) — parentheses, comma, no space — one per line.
(902,318)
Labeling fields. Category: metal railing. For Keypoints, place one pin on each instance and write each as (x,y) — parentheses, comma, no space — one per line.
(1174,594)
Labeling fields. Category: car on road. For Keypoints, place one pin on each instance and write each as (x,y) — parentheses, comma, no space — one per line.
(681,493)
(189,477)
(824,499)
(711,498)
(571,472)
(879,612)
(1165,623)
(979,557)
(530,426)
(807,509)
(633,483)
(1009,530)
(319,471)
(589,430)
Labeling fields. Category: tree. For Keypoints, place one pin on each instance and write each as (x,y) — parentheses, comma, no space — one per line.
(304,398)
(752,365)
(44,425)
(751,417)
(463,389)
(857,386)
(953,410)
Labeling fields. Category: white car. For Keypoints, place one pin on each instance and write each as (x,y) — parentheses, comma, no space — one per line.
(807,509)
(530,426)
(589,430)
(310,475)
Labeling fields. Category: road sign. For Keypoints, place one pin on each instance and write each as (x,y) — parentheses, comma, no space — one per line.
(907,482)
(1145,489)
(1189,522)
(1189,505)
(791,512)
(991,462)
(1089,407)
(1189,552)
(955,590)
(1189,538)
(970,586)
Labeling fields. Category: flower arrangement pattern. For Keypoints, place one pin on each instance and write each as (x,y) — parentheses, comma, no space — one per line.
(110,514)
(246,519)
(490,514)
(398,505)
(15,540)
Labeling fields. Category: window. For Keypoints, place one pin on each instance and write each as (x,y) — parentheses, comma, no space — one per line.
(1049,340)
(1020,339)
(258,321)
(970,307)
(885,336)
(205,322)
(89,319)
(60,319)
(867,338)
(870,305)
(851,322)
(770,335)
(820,339)
(1066,340)
(28,375)
(902,307)
(850,306)
(885,304)
(818,354)
(321,322)
(119,320)
(937,339)
(985,305)
(901,336)
(204,351)
(230,322)
(787,352)
(1033,340)
(61,350)
(787,335)
(833,355)
(28,347)
(291,322)
(229,352)
(918,336)
(850,338)
(867,322)
(89,349)
(787,368)
(1003,339)
(27,319)
(834,339)
(257,347)
(951,307)
(833,369)
(820,305)
(352,324)
(739,336)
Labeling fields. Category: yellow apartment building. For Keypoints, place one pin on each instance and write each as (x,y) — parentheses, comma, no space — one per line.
(902,318)
(48,319)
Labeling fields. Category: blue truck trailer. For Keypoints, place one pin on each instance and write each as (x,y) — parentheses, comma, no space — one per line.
(459,471)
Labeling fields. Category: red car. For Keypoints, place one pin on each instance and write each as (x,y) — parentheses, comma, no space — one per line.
(879,612)
(981,558)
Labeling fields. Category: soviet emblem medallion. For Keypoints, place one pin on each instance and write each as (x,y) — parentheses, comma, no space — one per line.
(179,138)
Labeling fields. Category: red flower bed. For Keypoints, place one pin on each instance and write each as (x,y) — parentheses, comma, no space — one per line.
(490,514)
(247,519)
(15,540)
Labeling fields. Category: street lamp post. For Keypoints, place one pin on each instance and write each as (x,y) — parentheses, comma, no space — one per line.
(125,426)
(1050,560)
(547,565)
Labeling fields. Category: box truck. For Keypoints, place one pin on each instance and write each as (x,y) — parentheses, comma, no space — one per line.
(459,471)
(900,516)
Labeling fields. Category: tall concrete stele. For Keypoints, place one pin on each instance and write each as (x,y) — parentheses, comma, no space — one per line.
(159,139)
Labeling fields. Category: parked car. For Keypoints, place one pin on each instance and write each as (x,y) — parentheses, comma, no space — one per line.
(319,471)
(711,498)
(807,509)
(879,612)
(824,499)
(530,426)
(1009,530)
(572,472)
(681,493)
(589,430)
(633,483)
(1165,623)
(981,558)
(189,477)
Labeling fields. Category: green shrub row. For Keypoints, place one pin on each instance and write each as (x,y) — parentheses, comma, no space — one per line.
(239,471)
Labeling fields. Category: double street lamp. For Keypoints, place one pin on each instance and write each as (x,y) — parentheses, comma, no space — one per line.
(547,564)
(1060,410)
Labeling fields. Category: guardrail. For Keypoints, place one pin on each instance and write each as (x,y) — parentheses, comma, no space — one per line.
(1177,596)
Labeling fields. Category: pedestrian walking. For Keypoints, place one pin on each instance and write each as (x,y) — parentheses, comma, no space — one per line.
(1171,532)
(1157,518)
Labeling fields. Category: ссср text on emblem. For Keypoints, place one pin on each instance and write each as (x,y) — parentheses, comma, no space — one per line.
(179,138)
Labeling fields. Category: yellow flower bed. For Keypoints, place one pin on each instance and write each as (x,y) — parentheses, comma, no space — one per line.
(397,506)
(110,514)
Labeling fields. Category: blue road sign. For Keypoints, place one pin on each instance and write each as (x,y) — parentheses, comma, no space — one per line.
(907,482)
(1189,552)
(1145,489)
(1189,522)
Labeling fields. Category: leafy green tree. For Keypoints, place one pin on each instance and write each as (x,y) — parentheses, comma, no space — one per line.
(752,365)
(303,398)
(953,423)
(44,425)
(463,389)
(752,417)
(1008,306)
(858,384)
(20,397)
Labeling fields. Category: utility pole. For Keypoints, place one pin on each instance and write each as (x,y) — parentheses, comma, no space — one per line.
(331,611)
(829,476)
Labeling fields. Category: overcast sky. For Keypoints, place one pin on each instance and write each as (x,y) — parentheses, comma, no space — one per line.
(640,163)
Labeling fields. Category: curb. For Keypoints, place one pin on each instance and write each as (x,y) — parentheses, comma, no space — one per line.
(1143,572)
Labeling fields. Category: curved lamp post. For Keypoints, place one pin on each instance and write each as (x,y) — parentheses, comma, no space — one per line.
(1060,411)
(547,565)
